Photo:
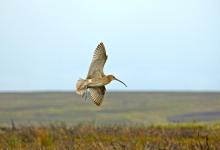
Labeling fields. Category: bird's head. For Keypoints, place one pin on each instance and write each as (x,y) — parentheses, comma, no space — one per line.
(111,77)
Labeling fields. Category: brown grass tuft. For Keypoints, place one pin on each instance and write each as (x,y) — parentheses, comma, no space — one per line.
(55,137)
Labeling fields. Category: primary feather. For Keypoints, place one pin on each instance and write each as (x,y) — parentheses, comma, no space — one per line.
(98,62)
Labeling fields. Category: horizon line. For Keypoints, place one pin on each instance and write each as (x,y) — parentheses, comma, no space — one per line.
(114,91)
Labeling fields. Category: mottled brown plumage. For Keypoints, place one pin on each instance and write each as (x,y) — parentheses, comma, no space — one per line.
(93,87)
(98,62)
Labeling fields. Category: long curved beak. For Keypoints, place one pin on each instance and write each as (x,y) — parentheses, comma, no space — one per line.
(121,82)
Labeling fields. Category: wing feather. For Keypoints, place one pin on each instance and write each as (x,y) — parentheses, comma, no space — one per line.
(98,62)
(97,94)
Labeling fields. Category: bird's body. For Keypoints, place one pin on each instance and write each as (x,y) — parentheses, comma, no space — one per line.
(94,85)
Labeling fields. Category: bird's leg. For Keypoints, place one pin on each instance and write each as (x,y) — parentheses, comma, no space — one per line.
(85,95)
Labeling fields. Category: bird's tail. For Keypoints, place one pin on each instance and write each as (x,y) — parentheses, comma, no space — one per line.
(81,87)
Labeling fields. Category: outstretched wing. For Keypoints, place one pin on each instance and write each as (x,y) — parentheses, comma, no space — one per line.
(98,62)
(97,94)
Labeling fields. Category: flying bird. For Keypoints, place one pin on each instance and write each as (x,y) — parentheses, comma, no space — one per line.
(93,87)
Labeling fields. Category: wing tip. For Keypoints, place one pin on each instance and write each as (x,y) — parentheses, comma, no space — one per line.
(101,44)
(97,104)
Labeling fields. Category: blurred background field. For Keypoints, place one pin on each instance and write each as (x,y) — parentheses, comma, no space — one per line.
(130,108)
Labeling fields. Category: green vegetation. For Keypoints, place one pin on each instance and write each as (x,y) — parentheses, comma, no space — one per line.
(133,120)
(117,108)
(87,136)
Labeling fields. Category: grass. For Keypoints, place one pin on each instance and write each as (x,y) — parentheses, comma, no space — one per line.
(90,136)
(133,120)
(117,108)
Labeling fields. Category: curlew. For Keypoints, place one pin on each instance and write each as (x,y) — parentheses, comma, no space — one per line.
(93,87)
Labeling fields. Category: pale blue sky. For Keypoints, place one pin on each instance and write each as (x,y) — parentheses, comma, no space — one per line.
(151,44)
